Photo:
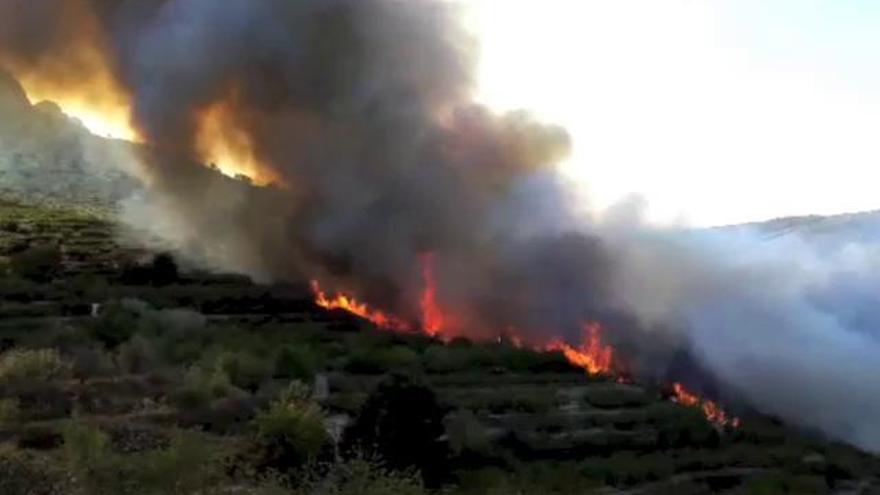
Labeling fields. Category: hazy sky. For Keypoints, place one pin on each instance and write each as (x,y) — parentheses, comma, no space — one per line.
(716,111)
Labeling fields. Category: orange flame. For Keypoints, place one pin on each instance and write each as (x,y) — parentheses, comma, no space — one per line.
(433,319)
(711,410)
(357,308)
(221,142)
(591,354)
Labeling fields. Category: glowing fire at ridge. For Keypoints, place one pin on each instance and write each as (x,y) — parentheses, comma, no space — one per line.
(97,101)
(591,355)
(357,308)
(711,410)
(220,142)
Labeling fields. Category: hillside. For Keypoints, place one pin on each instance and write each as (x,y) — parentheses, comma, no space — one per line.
(177,360)
(126,371)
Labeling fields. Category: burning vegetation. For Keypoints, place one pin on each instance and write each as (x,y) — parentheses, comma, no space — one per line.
(591,354)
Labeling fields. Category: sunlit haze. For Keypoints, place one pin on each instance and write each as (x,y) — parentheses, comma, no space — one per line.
(715,111)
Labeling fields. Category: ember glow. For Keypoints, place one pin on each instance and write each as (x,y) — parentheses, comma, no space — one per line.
(711,410)
(591,355)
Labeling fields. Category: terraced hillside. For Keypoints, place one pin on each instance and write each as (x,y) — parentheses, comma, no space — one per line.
(123,373)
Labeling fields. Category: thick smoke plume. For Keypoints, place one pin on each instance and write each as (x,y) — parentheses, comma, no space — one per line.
(359,112)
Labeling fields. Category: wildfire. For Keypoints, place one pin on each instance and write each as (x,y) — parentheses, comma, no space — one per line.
(222,143)
(591,354)
(348,303)
(82,82)
(94,97)
(433,319)
(595,357)
(711,410)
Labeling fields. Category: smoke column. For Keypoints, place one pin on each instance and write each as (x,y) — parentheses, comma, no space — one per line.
(360,114)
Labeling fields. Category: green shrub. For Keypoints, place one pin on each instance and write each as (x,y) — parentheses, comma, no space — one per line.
(466,434)
(42,400)
(773,484)
(137,355)
(23,474)
(20,365)
(291,433)
(381,360)
(442,359)
(615,396)
(244,370)
(201,387)
(90,362)
(295,363)
(462,356)
(189,465)
(117,322)
(39,263)
(10,412)
(39,437)
(362,476)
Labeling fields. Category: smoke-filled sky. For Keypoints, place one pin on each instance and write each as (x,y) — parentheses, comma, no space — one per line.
(716,111)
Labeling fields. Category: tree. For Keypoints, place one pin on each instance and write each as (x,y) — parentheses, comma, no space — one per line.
(164,270)
(402,422)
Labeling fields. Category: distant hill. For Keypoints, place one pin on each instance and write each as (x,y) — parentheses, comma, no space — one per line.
(824,232)
(47,156)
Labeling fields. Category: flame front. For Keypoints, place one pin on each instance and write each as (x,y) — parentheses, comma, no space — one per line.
(357,308)
(711,410)
(591,355)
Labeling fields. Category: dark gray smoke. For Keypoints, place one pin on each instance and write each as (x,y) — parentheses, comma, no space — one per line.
(362,112)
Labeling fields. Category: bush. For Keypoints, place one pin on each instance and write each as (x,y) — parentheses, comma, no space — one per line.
(617,396)
(10,412)
(33,365)
(362,476)
(466,434)
(42,400)
(461,356)
(189,465)
(291,433)
(37,437)
(39,263)
(137,355)
(202,387)
(295,363)
(244,370)
(516,359)
(117,322)
(380,360)
(89,362)
(21,474)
